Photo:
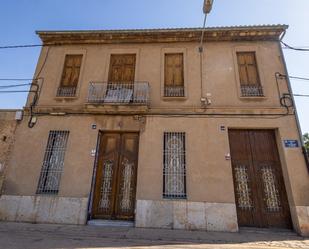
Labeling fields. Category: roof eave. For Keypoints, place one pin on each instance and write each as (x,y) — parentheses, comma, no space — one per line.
(236,33)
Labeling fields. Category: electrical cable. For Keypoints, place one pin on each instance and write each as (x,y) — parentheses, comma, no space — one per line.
(13,86)
(294,48)
(302,95)
(16,79)
(298,78)
(22,46)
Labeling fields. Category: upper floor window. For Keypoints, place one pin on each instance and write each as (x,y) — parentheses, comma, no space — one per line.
(70,76)
(174,75)
(248,74)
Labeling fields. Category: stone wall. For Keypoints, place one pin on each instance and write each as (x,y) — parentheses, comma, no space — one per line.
(186,215)
(43,209)
(7,131)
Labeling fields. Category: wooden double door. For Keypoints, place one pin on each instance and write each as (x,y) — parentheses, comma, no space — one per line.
(260,192)
(115,184)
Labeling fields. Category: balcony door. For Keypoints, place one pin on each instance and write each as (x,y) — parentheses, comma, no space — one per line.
(122,68)
(120,85)
(115,185)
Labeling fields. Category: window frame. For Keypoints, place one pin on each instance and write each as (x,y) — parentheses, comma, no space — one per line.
(174,85)
(185,73)
(66,52)
(260,71)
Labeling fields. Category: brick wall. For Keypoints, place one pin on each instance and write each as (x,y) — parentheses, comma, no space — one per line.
(7,130)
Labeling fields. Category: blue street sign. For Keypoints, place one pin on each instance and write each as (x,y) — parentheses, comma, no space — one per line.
(291,143)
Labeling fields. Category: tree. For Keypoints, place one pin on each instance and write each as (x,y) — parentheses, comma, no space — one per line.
(306,140)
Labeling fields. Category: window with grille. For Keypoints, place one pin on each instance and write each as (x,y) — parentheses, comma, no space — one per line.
(70,75)
(53,162)
(248,74)
(174,165)
(174,75)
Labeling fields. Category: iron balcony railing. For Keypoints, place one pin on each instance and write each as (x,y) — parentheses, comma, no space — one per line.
(252,91)
(65,91)
(119,93)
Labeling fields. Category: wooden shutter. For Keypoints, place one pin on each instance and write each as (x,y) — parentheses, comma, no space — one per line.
(122,68)
(71,70)
(247,66)
(174,72)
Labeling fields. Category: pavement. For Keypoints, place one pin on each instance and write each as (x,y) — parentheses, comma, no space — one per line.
(44,236)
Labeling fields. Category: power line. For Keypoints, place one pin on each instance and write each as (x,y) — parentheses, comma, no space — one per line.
(10,79)
(15,91)
(22,46)
(302,95)
(298,78)
(294,48)
(13,86)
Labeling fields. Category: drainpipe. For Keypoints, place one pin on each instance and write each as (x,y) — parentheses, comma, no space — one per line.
(293,100)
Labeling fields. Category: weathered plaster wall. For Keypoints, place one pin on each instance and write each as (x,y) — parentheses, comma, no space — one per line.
(209,174)
(7,132)
(220,73)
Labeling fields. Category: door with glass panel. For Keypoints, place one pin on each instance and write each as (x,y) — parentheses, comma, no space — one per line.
(115,185)
(260,193)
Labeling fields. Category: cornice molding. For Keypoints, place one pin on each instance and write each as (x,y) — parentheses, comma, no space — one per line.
(239,33)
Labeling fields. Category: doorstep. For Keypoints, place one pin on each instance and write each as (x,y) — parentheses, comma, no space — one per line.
(110,223)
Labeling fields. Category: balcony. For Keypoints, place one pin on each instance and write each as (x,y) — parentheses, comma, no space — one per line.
(251,91)
(136,93)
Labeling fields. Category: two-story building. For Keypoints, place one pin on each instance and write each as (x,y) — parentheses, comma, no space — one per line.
(147,127)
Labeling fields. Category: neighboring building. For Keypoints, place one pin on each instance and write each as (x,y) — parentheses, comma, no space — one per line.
(7,130)
(124,128)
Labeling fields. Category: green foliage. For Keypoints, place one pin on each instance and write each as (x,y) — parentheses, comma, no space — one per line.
(306,140)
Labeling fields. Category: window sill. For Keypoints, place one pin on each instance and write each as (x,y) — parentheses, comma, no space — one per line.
(254,98)
(182,98)
(174,198)
(66,98)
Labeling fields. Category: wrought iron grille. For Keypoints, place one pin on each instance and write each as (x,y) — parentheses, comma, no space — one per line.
(66,91)
(119,93)
(271,191)
(252,91)
(243,190)
(53,162)
(174,165)
(174,91)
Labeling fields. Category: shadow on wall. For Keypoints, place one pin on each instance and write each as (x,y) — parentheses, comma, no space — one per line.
(38,236)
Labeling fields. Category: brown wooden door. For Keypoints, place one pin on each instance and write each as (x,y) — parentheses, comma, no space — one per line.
(115,186)
(260,193)
(122,68)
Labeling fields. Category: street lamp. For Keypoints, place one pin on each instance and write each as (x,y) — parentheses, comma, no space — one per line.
(207,6)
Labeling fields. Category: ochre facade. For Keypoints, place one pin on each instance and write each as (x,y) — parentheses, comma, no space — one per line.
(7,132)
(208,109)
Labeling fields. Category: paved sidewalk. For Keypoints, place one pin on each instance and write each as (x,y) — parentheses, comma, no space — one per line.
(39,236)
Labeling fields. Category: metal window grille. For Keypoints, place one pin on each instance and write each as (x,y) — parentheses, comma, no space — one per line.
(64,91)
(174,91)
(174,165)
(252,91)
(53,162)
